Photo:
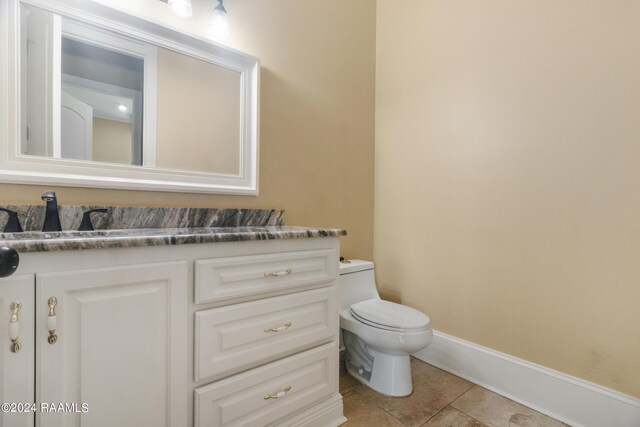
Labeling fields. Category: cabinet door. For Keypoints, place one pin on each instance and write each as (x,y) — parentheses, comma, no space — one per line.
(121,346)
(16,368)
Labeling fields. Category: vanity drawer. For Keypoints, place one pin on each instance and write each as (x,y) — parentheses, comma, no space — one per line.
(271,392)
(237,336)
(222,279)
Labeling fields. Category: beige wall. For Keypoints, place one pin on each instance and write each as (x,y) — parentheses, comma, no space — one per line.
(317,103)
(198,115)
(507,194)
(111,141)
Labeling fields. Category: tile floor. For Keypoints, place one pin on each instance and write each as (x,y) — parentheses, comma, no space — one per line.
(439,399)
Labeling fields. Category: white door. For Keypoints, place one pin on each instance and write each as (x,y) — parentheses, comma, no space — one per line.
(76,133)
(121,347)
(16,365)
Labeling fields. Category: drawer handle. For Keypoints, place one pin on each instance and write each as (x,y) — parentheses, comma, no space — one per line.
(278,395)
(52,320)
(286,272)
(14,327)
(279,328)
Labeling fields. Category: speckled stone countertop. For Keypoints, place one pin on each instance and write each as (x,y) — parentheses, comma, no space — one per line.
(125,227)
(100,239)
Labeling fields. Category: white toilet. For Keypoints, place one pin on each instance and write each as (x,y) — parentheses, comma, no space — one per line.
(378,335)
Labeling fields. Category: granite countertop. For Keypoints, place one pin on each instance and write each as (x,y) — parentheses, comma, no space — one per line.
(35,241)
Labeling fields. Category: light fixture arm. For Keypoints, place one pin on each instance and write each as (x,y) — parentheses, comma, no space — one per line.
(220,7)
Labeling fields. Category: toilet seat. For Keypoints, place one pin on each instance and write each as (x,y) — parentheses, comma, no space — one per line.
(389,316)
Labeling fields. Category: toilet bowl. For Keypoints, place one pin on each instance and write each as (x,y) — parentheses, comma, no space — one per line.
(378,335)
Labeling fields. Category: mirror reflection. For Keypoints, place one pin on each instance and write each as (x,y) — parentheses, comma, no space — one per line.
(92,95)
(101,104)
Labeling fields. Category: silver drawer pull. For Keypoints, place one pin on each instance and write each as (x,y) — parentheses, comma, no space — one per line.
(278,395)
(286,272)
(279,328)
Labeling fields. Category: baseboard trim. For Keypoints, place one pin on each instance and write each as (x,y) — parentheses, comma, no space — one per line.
(324,414)
(566,398)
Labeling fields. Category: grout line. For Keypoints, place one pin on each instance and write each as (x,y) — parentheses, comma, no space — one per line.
(441,409)
(434,415)
(462,394)
(458,410)
(375,405)
(391,415)
(512,401)
(470,416)
(348,389)
(449,404)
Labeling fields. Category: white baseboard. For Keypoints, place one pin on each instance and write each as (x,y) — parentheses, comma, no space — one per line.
(325,414)
(561,396)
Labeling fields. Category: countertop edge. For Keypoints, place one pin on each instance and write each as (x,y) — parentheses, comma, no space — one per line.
(147,237)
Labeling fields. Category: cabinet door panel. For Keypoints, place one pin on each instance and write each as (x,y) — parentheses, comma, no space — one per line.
(121,346)
(16,369)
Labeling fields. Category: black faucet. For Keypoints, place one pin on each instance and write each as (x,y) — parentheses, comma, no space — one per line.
(51,218)
(13,223)
(86,224)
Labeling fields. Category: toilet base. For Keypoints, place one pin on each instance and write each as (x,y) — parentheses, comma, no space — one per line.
(390,375)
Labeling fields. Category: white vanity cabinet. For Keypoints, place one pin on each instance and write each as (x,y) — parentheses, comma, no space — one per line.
(290,337)
(16,365)
(234,333)
(120,345)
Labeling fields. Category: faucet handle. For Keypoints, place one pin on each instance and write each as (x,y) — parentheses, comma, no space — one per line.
(86,224)
(13,222)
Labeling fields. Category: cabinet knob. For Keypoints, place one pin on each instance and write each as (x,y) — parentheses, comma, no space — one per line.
(14,327)
(52,320)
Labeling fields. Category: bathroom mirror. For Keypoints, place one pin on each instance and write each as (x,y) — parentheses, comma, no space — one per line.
(98,97)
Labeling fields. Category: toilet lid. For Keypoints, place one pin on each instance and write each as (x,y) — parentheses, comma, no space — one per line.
(387,314)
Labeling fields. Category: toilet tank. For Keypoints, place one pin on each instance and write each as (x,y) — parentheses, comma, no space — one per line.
(357,282)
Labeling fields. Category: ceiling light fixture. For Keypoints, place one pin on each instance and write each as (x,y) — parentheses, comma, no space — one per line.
(182,8)
(122,108)
(219,21)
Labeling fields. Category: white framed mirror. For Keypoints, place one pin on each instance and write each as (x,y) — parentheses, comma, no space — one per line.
(95,97)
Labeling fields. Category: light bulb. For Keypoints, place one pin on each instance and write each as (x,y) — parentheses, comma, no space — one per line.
(122,108)
(219,21)
(182,8)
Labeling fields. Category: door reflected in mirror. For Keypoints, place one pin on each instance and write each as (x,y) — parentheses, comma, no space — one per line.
(101,104)
(90,94)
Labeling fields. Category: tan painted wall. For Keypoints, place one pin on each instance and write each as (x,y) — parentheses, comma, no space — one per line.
(317,110)
(507,194)
(111,141)
(198,116)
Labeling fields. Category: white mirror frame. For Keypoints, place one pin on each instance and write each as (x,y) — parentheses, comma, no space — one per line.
(21,169)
